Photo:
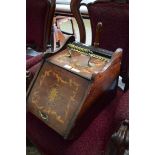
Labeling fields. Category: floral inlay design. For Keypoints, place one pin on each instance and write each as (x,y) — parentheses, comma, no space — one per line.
(55,96)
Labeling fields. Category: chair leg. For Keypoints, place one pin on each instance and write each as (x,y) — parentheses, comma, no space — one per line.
(119,141)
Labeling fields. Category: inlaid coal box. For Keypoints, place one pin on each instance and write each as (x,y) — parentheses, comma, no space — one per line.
(68,84)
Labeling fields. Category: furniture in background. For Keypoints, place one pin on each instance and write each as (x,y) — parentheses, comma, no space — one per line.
(119,142)
(114,17)
(38,32)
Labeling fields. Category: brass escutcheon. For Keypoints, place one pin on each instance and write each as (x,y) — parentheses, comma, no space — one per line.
(43,116)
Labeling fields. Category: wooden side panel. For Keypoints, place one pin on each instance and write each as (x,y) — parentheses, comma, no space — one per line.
(57,96)
(100,85)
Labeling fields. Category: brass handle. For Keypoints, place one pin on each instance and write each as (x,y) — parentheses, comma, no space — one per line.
(89,63)
(69,54)
(43,116)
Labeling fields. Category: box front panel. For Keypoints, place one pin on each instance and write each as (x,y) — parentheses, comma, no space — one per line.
(57,96)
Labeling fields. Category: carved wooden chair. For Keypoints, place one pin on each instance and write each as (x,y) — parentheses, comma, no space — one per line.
(113,17)
(119,142)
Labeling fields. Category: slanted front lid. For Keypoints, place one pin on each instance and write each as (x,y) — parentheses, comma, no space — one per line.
(57,96)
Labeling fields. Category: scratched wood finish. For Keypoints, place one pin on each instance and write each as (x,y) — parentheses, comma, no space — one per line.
(60,98)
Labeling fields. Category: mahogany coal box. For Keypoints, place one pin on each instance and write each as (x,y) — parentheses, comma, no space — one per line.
(69,83)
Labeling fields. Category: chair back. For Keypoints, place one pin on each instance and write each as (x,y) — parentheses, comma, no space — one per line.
(114,17)
(39,16)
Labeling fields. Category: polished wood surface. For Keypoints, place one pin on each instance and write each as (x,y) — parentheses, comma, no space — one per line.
(56,96)
(119,142)
(60,97)
(79,63)
(75,6)
(97,35)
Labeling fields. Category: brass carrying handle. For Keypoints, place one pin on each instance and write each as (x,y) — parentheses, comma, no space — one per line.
(43,115)
(69,54)
(90,54)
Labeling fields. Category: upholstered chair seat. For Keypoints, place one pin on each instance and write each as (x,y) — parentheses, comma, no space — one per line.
(33,61)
